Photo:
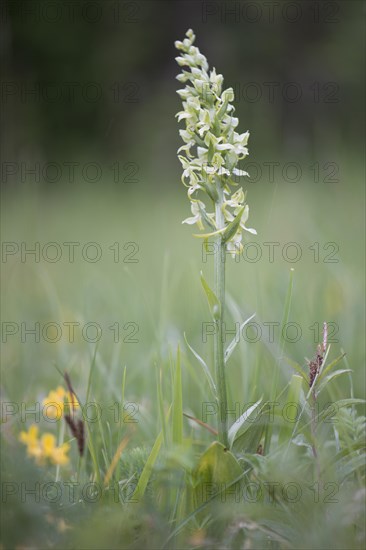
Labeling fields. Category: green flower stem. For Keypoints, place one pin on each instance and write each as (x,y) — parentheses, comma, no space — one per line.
(219,358)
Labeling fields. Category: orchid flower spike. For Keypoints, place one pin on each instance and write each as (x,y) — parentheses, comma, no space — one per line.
(212,148)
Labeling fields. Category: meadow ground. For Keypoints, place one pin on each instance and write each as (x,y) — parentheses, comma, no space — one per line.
(137,291)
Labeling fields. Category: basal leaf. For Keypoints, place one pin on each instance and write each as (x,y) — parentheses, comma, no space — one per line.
(241,421)
(216,467)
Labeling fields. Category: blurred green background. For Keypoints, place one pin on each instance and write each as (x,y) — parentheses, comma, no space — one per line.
(89,156)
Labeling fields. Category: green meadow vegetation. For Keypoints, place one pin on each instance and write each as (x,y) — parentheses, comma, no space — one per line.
(175,407)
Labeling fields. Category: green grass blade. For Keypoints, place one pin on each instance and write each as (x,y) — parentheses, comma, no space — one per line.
(287,308)
(293,397)
(91,372)
(235,341)
(159,383)
(148,468)
(331,377)
(120,427)
(147,471)
(285,318)
(294,365)
(177,418)
(329,367)
(91,442)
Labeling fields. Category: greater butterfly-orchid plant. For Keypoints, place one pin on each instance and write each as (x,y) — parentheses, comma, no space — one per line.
(210,156)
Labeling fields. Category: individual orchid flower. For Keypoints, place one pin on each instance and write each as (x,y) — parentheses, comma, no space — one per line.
(196,207)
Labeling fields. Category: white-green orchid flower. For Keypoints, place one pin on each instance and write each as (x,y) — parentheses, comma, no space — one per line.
(196,207)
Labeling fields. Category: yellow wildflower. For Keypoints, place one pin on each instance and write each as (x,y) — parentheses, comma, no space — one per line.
(55,402)
(57,455)
(30,439)
(44,449)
